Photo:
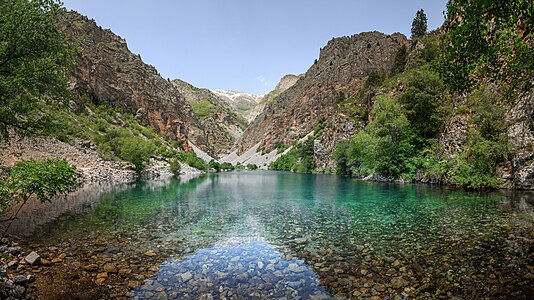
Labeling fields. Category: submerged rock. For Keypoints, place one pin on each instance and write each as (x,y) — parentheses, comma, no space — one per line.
(32,258)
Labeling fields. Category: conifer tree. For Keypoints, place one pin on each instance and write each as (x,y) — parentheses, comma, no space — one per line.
(419,24)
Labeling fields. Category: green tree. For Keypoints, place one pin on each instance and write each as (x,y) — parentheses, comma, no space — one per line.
(424,102)
(252,167)
(385,145)
(137,151)
(419,24)
(215,165)
(34,62)
(400,61)
(488,39)
(175,166)
(227,166)
(44,179)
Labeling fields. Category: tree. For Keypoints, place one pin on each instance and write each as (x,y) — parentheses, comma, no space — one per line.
(424,102)
(400,61)
(215,165)
(45,179)
(488,40)
(419,24)
(385,144)
(34,61)
(137,151)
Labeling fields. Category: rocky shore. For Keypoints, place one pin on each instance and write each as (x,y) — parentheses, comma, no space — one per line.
(17,267)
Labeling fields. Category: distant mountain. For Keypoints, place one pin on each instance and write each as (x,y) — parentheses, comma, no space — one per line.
(222,125)
(249,106)
(243,103)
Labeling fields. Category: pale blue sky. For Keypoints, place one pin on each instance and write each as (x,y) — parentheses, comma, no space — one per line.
(245,45)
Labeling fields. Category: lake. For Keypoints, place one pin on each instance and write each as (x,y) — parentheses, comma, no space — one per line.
(272,235)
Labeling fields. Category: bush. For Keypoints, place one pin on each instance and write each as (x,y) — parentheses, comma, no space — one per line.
(175,166)
(384,146)
(299,159)
(121,143)
(227,166)
(214,165)
(475,168)
(252,167)
(136,151)
(424,103)
(192,160)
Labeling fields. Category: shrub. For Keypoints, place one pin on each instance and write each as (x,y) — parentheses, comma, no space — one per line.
(227,166)
(384,146)
(136,151)
(214,165)
(175,166)
(475,168)
(252,167)
(192,160)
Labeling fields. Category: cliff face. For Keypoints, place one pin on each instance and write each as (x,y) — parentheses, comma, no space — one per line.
(109,73)
(223,127)
(341,70)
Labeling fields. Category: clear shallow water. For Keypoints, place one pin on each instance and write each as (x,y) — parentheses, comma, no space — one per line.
(272,235)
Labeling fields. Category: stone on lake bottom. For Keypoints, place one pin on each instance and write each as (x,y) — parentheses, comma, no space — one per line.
(100,281)
(32,258)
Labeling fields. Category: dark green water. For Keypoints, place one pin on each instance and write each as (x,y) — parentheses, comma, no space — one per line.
(273,235)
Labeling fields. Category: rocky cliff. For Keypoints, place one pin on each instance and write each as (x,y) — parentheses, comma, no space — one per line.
(223,127)
(108,72)
(343,67)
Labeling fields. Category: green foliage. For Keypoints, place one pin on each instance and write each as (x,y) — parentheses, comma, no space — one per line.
(475,168)
(45,179)
(203,108)
(137,151)
(299,159)
(488,114)
(424,102)
(486,146)
(252,167)
(400,61)
(384,146)
(34,61)
(214,165)
(488,39)
(419,24)
(122,143)
(340,155)
(192,159)
(175,166)
(227,166)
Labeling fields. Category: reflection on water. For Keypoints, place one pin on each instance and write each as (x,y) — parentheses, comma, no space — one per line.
(254,270)
(359,239)
(35,213)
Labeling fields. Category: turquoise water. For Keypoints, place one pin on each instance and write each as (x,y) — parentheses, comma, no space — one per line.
(269,235)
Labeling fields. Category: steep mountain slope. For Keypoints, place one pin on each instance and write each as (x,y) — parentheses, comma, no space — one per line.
(285,83)
(109,73)
(342,69)
(223,127)
(243,103)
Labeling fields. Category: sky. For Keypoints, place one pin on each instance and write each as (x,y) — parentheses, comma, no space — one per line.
(245,45)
